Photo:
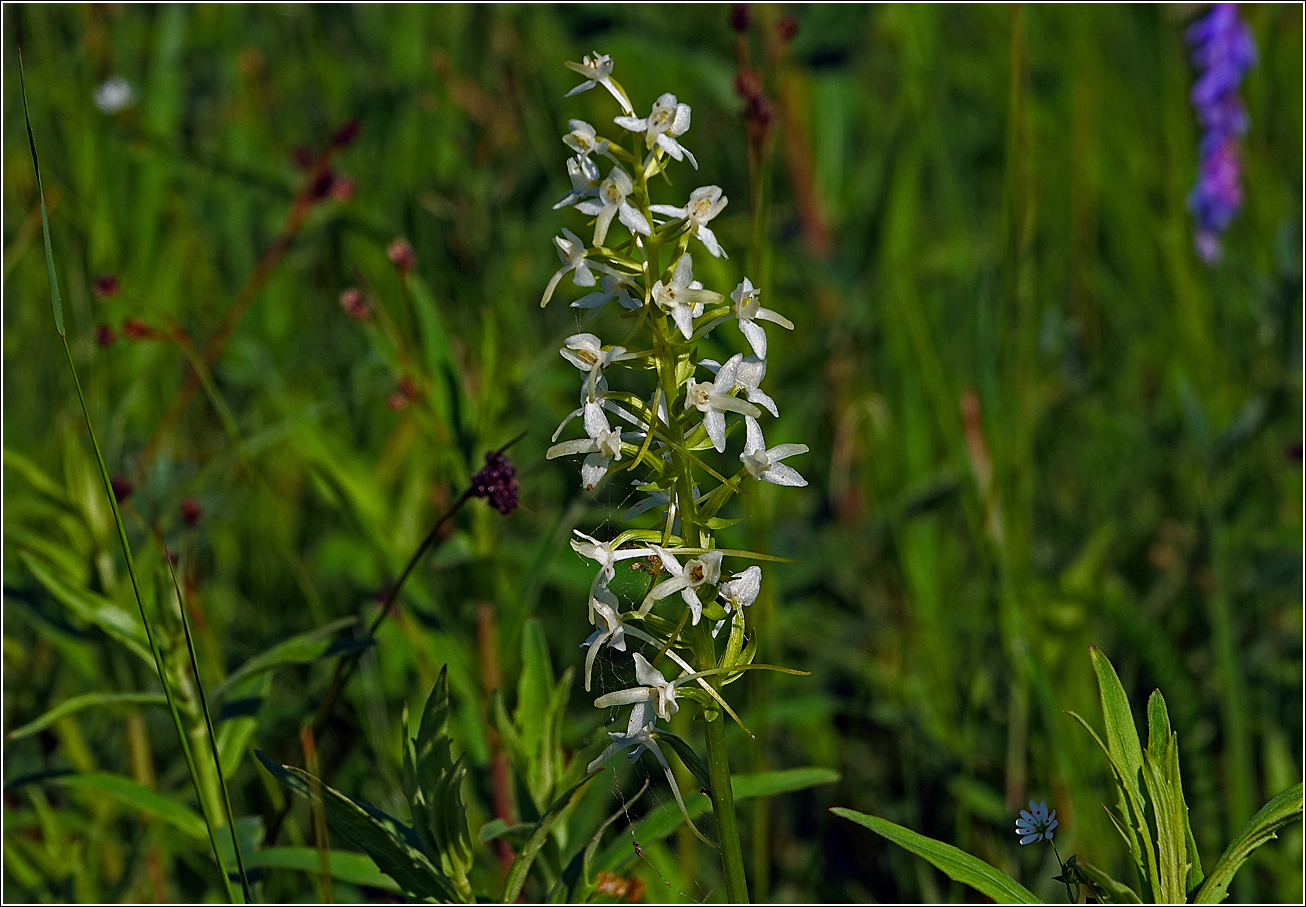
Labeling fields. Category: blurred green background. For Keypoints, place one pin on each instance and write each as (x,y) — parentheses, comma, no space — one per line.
(1037,420)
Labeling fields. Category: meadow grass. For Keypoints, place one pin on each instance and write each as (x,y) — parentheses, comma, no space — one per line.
(1038,422)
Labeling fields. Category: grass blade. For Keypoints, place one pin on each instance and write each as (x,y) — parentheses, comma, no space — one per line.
(168,692)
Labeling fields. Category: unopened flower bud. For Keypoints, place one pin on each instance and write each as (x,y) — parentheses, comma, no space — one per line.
(322,185)
(345,134)
(301,157)
(105,286)
(404,395)
(191,511)
(355,304)
(105,336)
(136,329)
(788,28)
(402,255)
(342,189)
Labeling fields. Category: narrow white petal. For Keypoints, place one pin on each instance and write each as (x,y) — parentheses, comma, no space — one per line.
(755,335)
(780,474)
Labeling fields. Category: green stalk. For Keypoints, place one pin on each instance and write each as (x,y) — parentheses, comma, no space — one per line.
(718,762)
(56,303)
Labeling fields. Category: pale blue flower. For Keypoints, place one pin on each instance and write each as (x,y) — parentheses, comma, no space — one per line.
(1035,824)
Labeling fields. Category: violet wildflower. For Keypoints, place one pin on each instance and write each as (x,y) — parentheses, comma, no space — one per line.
(1035,824)
(1223,51)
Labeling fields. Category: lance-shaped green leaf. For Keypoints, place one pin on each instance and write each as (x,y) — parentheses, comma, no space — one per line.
(956,864)
(1161,775)
(576,884)
(512,885)
(85,701)
(389,842)
(433,784)
(299,649)
(1283,810)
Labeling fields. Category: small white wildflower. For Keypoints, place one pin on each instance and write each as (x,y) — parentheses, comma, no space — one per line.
(603,446)
(584,176)
(1035,824)
(610,287)
(748,309)
(612,201)
(683,297)
(741,590)
(583,140)
(653,687)
(641,733)
(697,572)
(748,377)
(611,630)
(114,95)
(597,70)
(704,204)
(765,464)
(586,352)
(572,252)
(606,556)
(714,401)
(667,120)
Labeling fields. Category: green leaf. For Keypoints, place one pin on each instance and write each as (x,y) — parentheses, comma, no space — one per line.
(299,649)
(1161,769)
(346,866)
(1283,810)
(689,758)
(1121,734)
(1116,892)
(531,715)
(56,301)
(435,791)
(512,885)
(95,609)
(388,841)
(85,701)
(662,820)
(137,796)
(956,864)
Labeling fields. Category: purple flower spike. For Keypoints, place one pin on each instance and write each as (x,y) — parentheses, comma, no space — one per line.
(1223,51)
(497,482)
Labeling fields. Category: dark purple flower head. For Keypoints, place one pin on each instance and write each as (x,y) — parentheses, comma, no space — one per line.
(1223,51)
(497,482)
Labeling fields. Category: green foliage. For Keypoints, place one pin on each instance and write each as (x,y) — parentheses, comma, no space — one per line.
(957,864)
(1037,422)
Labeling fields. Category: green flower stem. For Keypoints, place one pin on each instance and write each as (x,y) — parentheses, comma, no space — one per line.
(718,762)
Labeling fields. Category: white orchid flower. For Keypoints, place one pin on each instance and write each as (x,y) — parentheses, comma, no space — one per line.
(583,140)
(765,465)
(610,287)
(741,590)
(641,733)
(597,70)
(683,298)
(603,446)
(748,376)
(572,252)
(667,120)
(611,630)
(585,178)
(606,556)
(748,309)
(586,352)
(704,204)
(714,401)
(687,580)
(653,687)
(612,202)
